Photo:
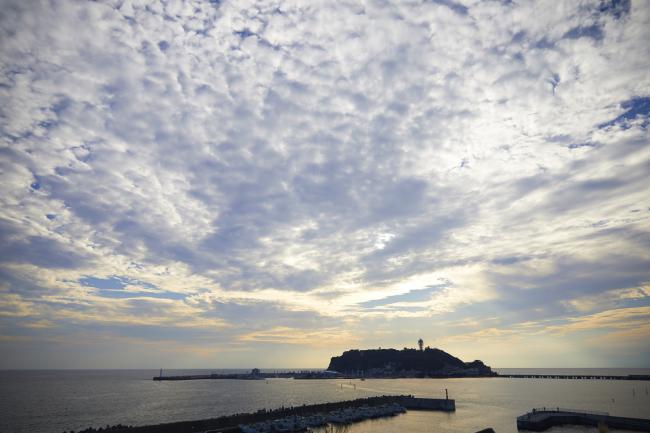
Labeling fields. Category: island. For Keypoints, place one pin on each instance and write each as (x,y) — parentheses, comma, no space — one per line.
(393,363)
(371,363)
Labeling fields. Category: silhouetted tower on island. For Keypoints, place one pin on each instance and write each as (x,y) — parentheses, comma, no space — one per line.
(421,344)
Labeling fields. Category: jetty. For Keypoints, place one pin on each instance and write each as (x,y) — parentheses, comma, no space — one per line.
(440,404)
(545,418)
(577,376)
(255,374)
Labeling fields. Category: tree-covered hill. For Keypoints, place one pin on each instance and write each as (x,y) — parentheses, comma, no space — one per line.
(386,362)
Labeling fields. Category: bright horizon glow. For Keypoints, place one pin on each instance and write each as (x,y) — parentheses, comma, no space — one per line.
(220,184)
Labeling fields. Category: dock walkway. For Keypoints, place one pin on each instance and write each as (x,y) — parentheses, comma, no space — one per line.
(544,418)
(576,376)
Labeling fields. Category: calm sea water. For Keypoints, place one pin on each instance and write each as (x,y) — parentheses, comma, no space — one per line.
(56,401)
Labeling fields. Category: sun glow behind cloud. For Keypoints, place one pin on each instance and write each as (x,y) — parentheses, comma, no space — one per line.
(208,183)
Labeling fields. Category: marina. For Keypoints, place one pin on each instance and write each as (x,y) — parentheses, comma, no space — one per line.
(298,418)
(342,416)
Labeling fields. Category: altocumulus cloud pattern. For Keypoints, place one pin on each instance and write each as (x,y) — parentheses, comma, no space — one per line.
(205,181)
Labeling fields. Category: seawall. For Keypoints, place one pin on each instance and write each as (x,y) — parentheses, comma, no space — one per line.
(539,420)
(414,403)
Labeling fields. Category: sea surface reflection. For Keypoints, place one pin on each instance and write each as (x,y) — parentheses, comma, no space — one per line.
(57,401)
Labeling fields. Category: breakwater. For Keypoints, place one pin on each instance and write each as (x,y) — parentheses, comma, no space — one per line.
(334,375)
(442,404)
(209,376)
(254,375)
(230,423)
(545,418)
(576,376)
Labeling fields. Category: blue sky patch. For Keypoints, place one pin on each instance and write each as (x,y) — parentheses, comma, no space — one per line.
(635,107)
(579,145)
(244,33)
(417,295)
(122,294)
(617,8)
(113,287)
(114,282)
(454,6)
(593,31)
(104,283)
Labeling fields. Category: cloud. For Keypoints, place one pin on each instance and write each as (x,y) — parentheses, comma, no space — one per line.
(318,166)
(623,318)
(616,297)
(286,335)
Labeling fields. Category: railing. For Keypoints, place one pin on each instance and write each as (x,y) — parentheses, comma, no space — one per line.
(561,409)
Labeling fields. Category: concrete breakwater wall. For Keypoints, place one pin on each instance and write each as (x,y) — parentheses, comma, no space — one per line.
(575,377)
(442,404)
(209,376)
(252,376)
(539,420)
(229,423)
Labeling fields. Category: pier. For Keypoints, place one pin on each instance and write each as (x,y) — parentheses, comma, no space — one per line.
(576,376)
(545,418)
(255,374)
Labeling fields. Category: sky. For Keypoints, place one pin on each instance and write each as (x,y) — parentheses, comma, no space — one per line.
(228,184)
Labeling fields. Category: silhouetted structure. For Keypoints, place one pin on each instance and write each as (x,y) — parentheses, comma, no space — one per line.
(573,376)
(545,418)
(421,344)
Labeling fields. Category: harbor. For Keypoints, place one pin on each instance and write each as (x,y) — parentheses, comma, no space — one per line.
(297,418)
(342,416)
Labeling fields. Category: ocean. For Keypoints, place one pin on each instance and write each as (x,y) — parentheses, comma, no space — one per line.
(40,401)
